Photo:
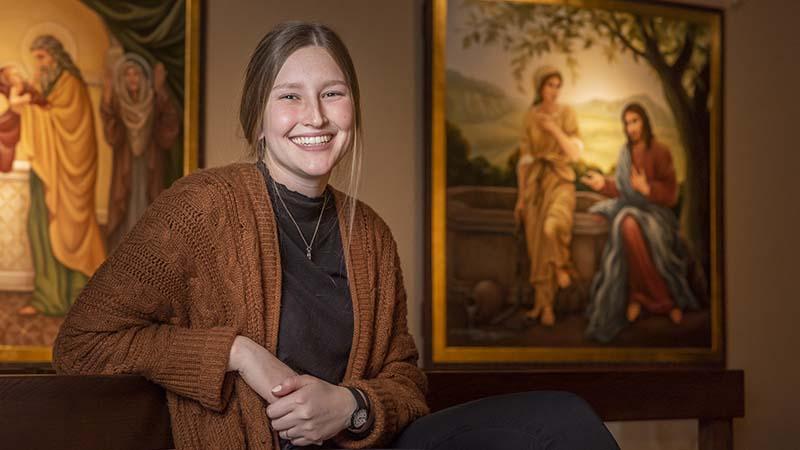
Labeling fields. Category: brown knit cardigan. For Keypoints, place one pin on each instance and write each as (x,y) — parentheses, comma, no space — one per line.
(202,266)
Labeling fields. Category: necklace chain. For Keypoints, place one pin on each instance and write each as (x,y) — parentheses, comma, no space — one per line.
(319,220)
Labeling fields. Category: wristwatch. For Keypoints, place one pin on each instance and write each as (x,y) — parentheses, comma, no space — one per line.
(359,417)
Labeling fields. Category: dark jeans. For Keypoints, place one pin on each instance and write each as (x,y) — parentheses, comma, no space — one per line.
(540,420)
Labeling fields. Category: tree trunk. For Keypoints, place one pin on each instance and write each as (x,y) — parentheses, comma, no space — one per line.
(692,120)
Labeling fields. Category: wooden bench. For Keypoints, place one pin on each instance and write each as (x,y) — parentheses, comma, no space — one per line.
(46,411)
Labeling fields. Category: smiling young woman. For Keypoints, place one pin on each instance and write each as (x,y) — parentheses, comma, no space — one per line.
(308,122)
(271,306)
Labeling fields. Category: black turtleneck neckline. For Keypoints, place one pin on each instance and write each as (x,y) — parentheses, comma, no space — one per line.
(316,324)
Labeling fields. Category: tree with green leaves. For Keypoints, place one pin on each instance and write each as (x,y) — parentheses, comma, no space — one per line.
(677,50)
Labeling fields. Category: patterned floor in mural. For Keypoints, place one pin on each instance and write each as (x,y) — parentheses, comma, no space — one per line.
(16,329)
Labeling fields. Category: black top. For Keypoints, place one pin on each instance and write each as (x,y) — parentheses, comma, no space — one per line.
(316,323)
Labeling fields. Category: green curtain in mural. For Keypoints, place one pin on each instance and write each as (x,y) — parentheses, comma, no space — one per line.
(154,29)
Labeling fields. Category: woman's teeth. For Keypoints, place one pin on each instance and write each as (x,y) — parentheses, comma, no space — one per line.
(313,140)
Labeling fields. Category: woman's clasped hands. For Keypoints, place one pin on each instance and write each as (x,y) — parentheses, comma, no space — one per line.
(303,409)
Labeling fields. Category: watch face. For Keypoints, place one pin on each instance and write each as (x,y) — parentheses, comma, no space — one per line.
(359,418)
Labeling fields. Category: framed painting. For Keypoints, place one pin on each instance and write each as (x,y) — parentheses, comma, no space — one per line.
(98,114)
(575,183)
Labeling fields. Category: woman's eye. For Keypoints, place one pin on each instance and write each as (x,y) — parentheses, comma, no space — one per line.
(289,97)
(332,94)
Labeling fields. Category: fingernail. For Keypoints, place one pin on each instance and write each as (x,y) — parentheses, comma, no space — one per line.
(277,388)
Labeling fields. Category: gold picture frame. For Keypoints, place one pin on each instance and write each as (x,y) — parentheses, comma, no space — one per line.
(66,20)
(472,241)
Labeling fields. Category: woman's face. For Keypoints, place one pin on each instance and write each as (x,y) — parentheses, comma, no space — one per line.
(133,77)
(308,121)
(550,89)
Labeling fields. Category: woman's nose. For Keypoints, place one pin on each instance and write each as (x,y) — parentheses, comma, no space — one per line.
(315,116)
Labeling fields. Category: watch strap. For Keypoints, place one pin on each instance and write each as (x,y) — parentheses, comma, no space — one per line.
(360,403)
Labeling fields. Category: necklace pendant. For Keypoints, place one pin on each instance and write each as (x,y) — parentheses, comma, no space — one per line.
(308,254)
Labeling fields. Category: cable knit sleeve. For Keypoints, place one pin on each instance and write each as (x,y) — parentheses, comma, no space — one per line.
(124,320)
(397,391)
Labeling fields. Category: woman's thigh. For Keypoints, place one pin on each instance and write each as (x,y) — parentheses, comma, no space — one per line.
(528,420)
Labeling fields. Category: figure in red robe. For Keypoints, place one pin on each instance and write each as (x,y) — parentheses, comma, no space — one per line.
(644,263)
(13,91)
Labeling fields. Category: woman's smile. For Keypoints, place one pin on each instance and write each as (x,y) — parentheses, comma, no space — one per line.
(318,142)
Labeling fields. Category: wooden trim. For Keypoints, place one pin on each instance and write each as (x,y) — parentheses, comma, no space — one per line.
(73,412)
(128,412)
(614,395)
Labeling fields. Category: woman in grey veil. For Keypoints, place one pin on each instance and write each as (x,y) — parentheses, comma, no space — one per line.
(141,122)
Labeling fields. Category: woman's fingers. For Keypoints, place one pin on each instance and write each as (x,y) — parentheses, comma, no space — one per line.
(299,433)
(288,422)
(292,428)
(296,437)
(280,408)
(312,410)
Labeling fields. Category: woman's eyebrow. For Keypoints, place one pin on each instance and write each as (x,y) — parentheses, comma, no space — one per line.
(300,85)
(333,82)
(287,86)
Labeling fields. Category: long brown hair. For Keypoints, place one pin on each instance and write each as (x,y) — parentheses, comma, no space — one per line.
(647,128)
(268,58)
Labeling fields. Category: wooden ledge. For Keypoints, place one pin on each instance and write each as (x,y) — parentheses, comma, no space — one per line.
(128,412)
(614,395)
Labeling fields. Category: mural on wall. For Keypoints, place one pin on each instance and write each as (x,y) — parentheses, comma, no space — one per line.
(93,101)
(575,169)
